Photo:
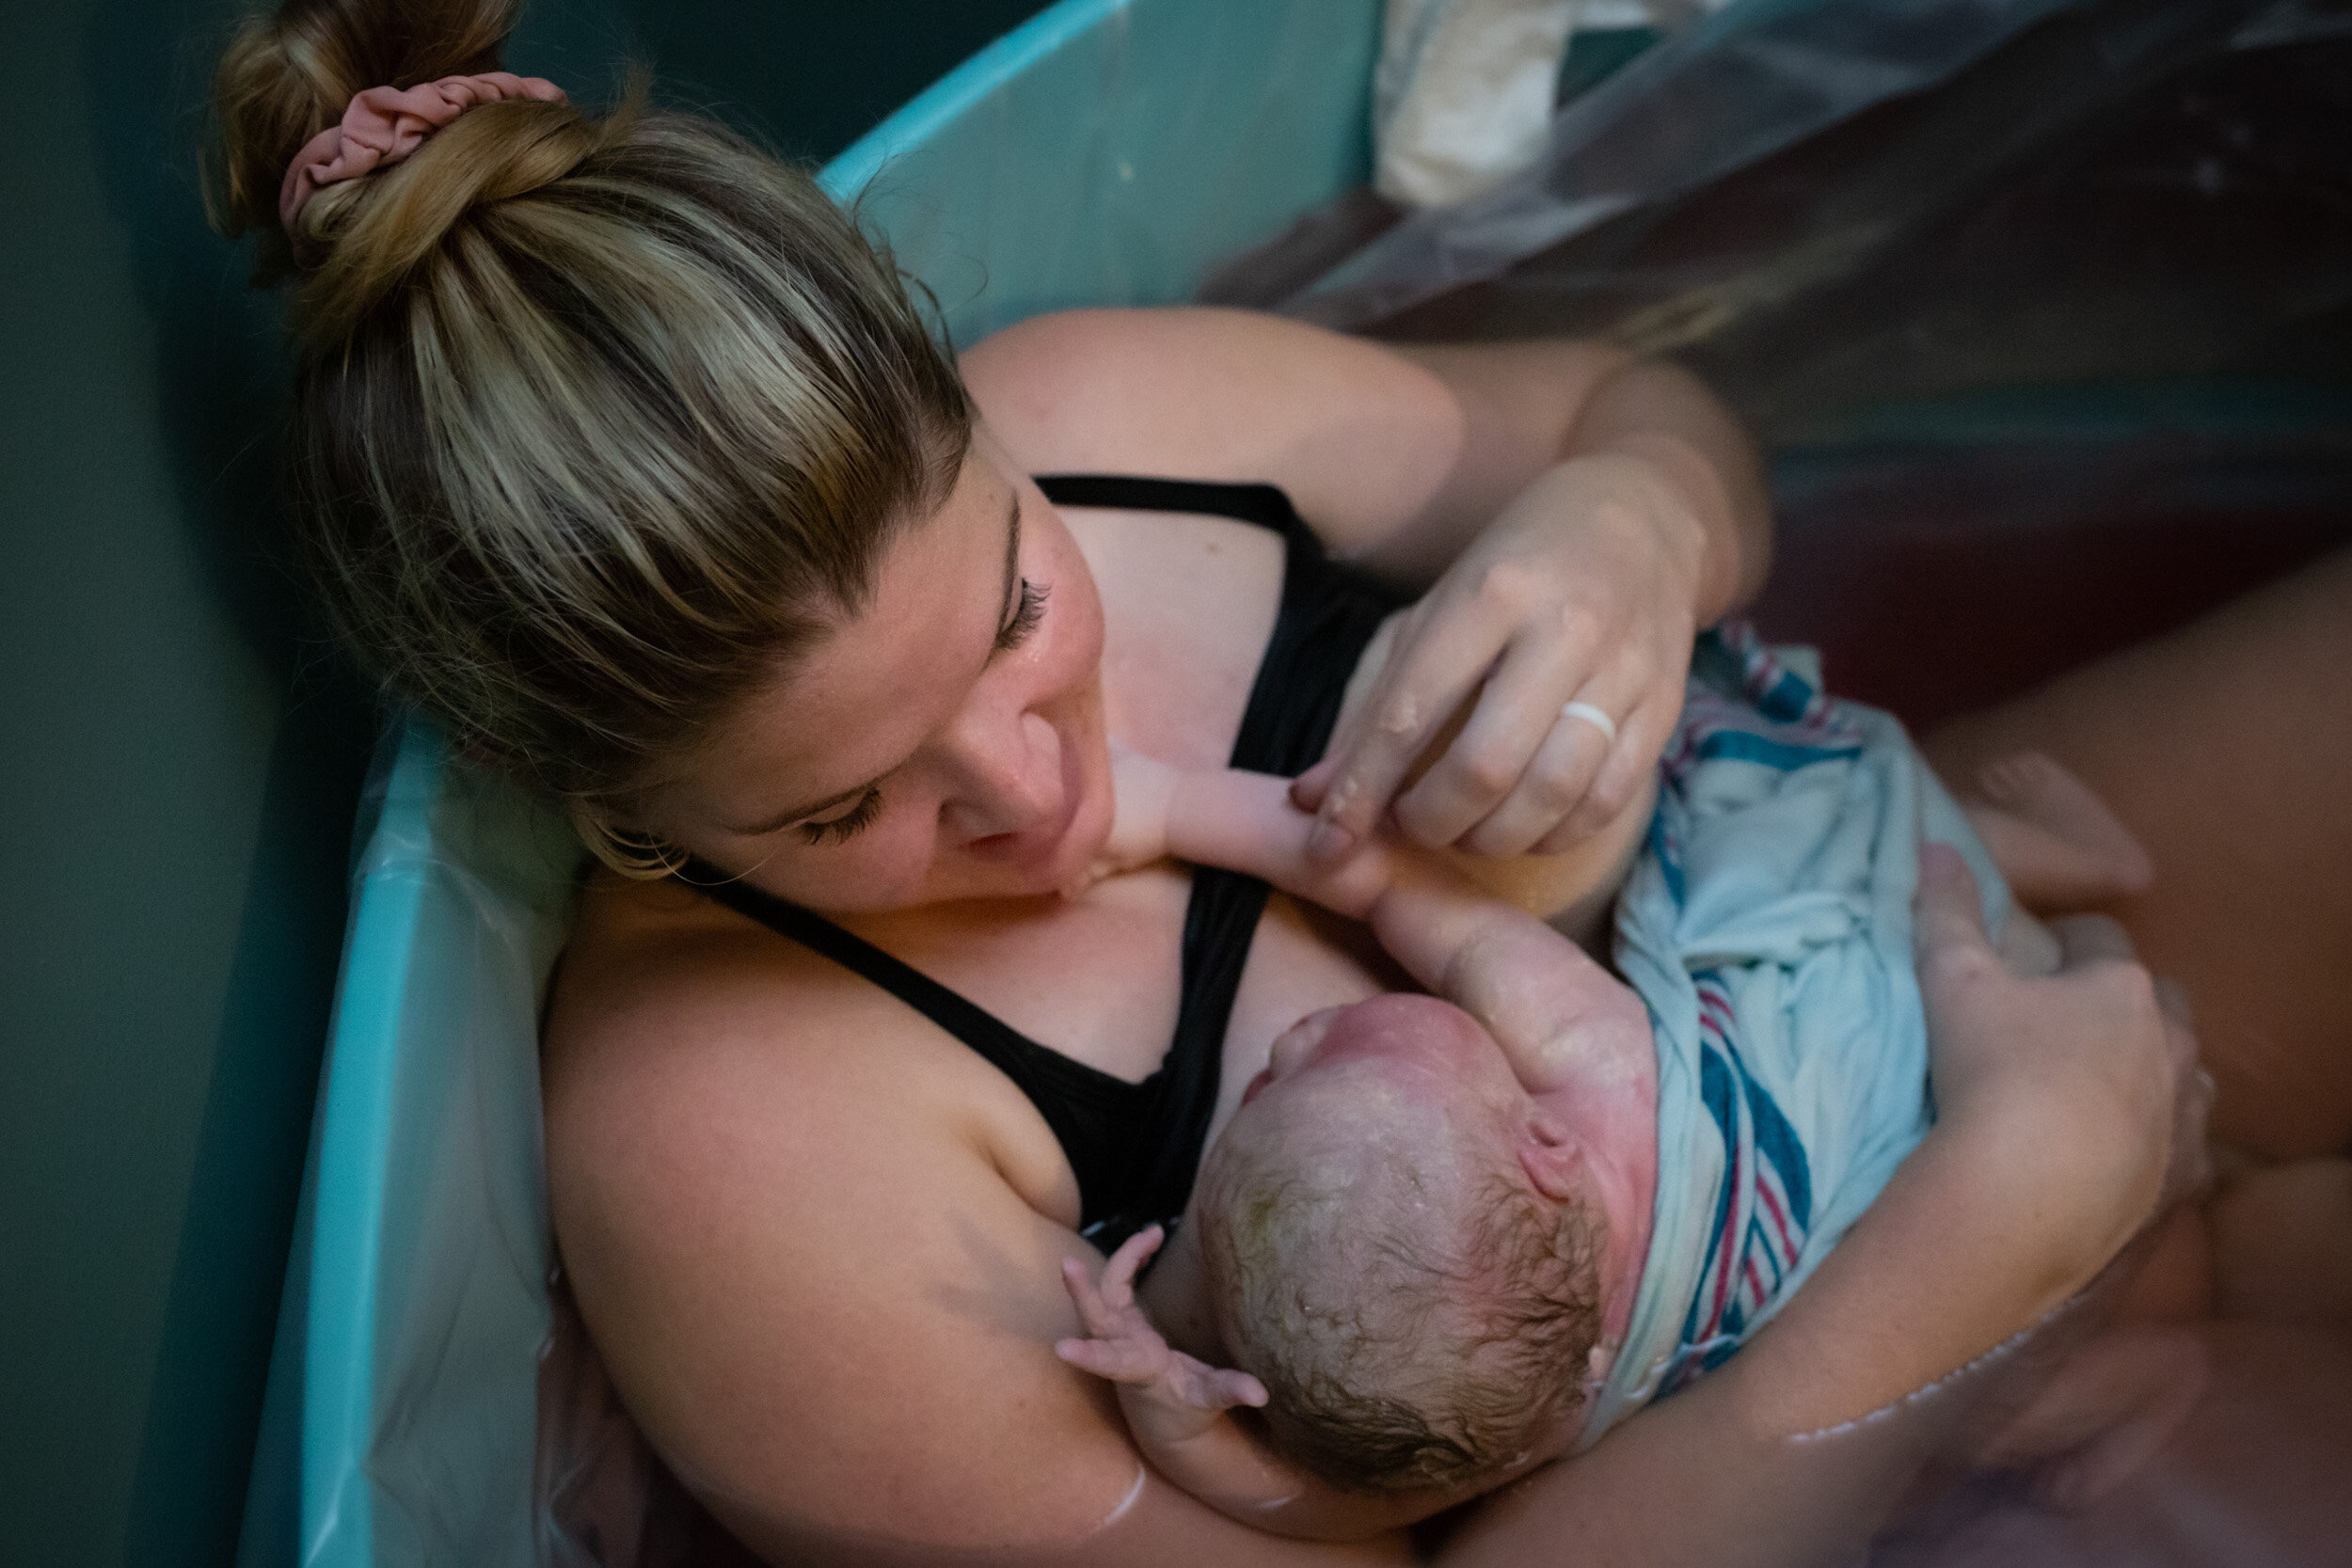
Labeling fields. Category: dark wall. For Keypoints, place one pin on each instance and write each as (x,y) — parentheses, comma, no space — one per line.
(178,756)
(813,75)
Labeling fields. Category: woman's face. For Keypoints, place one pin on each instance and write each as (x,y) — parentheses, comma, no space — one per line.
(947,742)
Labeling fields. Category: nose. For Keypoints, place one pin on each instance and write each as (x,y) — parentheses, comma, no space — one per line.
(1005,773)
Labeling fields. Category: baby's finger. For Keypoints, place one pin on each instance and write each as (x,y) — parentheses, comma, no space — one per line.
(1115,1360)
(1308,788)
(1119,1274)
(1236,1387)
(1093,1311)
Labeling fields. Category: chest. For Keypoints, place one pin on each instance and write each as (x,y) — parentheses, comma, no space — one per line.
(1189,603)
(1099,979)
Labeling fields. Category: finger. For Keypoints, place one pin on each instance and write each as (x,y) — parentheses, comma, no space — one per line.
(1554,782)
(1092,1311)
(1234,1387)
(1417,693)
(1639,738)
(1308,788)
(1119,1274)
(1115,1360)
(1517,711)
(1207,1387)
(1948,921)
(2173,1000)
(2086,939)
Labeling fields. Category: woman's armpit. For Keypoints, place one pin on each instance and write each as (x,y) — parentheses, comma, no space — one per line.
(815,1287)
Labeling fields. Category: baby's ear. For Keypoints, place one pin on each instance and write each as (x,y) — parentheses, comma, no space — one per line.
(1553,1159)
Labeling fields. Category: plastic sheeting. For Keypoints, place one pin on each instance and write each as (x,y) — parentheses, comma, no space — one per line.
(1725,93)
(403,1399)
(2148,188)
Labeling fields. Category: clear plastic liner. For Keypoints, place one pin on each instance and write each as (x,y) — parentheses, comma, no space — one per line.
(417,1304)
(1710,100)
(1723,181)
(2124,193)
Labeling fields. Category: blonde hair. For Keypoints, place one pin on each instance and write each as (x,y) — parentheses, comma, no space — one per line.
(599,421)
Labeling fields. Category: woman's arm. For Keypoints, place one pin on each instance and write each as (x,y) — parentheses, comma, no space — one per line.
(813,1240)
(1577,511)
(2055,1118)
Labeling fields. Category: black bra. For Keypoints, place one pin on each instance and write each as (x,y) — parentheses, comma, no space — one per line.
(1135,1146)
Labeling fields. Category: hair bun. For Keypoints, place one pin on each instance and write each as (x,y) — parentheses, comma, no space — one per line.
(384,125)
(371,233)
(291,72)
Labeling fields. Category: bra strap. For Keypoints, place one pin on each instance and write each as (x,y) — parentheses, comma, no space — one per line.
(1327,614)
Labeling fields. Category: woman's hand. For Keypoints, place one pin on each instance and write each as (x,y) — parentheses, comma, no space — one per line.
(2058,1103)
(1563,635)
(2081,1089)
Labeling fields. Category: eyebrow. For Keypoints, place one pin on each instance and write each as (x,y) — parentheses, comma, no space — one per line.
(778,821)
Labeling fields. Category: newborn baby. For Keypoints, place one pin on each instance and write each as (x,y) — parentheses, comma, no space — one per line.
(1445,1238)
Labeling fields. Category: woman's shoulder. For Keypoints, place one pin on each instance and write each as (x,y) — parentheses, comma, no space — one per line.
(1352,430)
(798,1222)
(664,999)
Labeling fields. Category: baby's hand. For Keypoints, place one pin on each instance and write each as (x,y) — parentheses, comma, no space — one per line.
(1141,790)
(1168,1396)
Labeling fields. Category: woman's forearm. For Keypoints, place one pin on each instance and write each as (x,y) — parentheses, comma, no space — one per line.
(1795,1451)
(1663,415)
(1528,407)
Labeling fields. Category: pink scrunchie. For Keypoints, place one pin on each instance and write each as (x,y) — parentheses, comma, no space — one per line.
(386,124)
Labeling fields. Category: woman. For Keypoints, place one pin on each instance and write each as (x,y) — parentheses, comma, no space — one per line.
(620,451)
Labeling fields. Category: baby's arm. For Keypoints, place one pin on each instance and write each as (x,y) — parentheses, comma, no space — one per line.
(1180,1411)
(1536,990)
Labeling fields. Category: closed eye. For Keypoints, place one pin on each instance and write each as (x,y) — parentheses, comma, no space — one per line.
(1024,619)
(839,830)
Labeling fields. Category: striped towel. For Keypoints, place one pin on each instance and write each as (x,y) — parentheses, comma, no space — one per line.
(1767,924)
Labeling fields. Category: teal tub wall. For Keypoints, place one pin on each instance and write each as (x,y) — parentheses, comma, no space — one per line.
(179,760)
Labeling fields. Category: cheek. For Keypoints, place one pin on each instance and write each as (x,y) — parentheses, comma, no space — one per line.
(883,868)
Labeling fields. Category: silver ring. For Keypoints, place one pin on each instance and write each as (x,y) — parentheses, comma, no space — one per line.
(1594,717)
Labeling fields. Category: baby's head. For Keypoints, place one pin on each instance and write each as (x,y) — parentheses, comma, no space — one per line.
(1378,1254)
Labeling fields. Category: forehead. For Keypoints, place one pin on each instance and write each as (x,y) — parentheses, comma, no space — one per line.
(1395,1071)
(859,701)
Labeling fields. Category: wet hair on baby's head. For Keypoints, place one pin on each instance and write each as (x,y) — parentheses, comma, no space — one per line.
(1401,1353)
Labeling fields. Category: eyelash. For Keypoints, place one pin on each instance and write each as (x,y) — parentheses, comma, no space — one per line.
(1025,620)
(841,829)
